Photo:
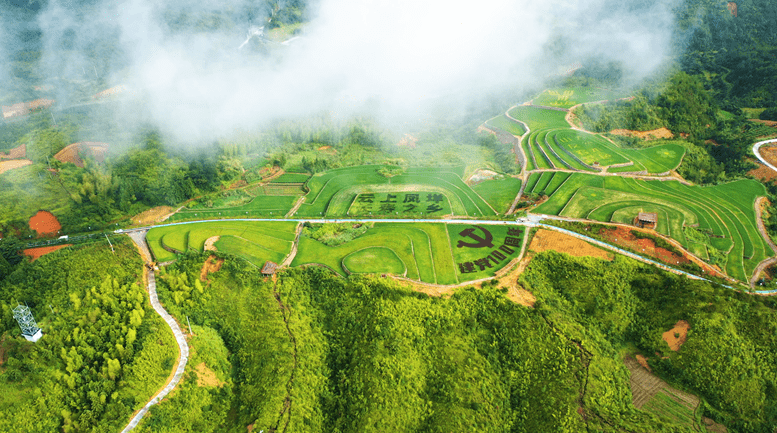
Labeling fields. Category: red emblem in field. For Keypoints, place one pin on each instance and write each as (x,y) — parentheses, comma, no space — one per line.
(481,242)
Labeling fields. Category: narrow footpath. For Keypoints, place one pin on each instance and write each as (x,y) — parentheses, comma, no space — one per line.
(139,237)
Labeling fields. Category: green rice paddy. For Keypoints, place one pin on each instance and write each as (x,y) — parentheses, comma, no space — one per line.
(257,242)
(508,125)
(725,212)
(332,193)
(567,97)
(499,193)
(552,144)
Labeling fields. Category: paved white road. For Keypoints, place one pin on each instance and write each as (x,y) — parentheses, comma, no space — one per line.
(183,347)
(757,154)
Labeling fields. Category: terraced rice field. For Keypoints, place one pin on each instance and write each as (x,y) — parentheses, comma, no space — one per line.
(546,182)
(332,193)
(256,242)
(724,212)
(262,206)
(291,178)
(567,97)
(552,144)
(499,193)
(508,125)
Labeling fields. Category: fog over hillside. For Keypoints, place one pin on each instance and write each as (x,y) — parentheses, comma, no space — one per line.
(396,58)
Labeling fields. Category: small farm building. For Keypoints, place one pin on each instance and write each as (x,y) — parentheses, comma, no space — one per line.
(647,219)
(269,268)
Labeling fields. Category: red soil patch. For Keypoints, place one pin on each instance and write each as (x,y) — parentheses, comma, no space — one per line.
(210,243)
(207,377)
(643,362)
(623,237)
(772,123)
(675,337)
(769,153)
(12,164)
(18,152)
(35,253)
(212,264)
(45,223)
(763,173)
(654,134)
(552,240)
(71,153)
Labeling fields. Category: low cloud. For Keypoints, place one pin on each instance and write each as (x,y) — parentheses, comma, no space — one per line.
(396,58)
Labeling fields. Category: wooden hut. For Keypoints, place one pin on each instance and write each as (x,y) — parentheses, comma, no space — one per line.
(647,219)
(269,269)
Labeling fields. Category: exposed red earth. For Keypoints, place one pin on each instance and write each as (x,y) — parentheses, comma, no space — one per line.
(44,223)
(36,253)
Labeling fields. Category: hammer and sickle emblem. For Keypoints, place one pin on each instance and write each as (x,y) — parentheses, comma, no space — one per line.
(481,242)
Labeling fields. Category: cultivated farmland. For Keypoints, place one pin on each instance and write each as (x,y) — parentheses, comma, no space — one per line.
(507,125)
(552,144)
(332,193)
(499,193)
(724,214)
(431,253)
(256,242)
(568,97)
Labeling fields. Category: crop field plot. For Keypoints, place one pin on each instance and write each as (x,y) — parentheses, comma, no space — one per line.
(332,193)
(291,178)
(480,251)
(589,148)
(422,249)
(257,242)
(277,189)
(262,206)
(499,193)
(507,125)
(531,163)
(553,144)
(374,260)
(540,157)
(725,212)
(431,253)
(567,97)
(409,204)
(539,118)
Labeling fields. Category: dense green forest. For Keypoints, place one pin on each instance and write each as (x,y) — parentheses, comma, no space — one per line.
(104,351)
(315,352)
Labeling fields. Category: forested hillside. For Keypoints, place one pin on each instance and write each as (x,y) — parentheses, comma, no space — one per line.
(104,351)
(315,352)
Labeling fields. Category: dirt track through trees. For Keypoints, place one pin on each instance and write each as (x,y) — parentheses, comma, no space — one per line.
(287,403)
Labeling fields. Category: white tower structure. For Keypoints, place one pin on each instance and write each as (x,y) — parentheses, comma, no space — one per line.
(30,329)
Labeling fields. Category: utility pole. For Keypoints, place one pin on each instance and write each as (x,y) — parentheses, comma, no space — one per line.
(109,243)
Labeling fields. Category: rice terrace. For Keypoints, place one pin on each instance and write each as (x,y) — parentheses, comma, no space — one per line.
(565,173)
